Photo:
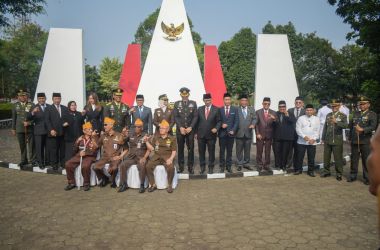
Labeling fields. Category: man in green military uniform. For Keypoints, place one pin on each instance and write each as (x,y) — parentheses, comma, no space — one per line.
(118,111)
(23,128)
(361,126)
(332,137)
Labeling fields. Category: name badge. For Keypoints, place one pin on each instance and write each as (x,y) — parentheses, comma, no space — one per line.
(115,146)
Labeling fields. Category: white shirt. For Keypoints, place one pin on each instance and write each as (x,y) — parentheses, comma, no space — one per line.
(307,126)
(322,113)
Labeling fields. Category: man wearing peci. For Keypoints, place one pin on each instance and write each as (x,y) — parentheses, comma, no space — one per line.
(207,128)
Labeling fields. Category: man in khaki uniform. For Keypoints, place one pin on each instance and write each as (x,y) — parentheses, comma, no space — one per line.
(86,150)
(112,142)
(137,155)
(332,137)
(118,111)
(164,112)
(23,128)
(165,148)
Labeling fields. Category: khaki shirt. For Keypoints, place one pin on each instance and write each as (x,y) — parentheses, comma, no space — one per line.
(333,132)
(163,147)
(19,116)
(137,147)
(112,144)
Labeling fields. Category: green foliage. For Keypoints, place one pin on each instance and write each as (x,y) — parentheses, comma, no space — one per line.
(237,57)
(92,79)
(19,9)
(109,72)
(5,110)
(20,64)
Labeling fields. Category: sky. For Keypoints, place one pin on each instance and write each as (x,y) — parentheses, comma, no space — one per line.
(109,25)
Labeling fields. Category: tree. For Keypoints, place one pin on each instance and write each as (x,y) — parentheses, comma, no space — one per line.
(21,64)
(237,57)
(109,71)
(364,18)
(19,9)
(92,79)
(145,32)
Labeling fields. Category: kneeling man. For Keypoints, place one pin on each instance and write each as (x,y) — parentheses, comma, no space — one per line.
(137,155)
(87,148)
(112,142)
(165,148)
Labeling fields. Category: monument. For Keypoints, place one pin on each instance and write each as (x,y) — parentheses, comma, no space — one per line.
(172,61)
(62,68)
(275,76)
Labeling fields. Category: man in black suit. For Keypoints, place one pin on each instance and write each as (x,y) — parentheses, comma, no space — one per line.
(54,123)
(207,128)
(230,122)
(283,135)
(297,111)
(37,115)
(247,122)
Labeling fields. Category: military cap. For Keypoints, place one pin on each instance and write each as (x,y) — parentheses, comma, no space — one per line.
(87,125)
(206,96)
(163,97)
(363,100)
(139,122)
(22,92)
(118,92)
(243,96)
(282,103)
(42,94)
(226,95)
(335,102)
(164,124)
(184,91)
(108,120)
(56,94)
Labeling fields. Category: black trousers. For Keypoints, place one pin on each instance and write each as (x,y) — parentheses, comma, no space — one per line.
(292,157)
(301,149)
(40,142)
(56,149)
(226,144)
(281,149)
(243,150)
(26,143)
(210,144)
(362,150)
(69,150)
(189,140)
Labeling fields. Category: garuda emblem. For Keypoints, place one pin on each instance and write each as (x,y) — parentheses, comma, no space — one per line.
(172,31)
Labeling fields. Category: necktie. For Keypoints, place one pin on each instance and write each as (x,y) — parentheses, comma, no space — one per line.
(298,112)
(43,108)
(207,112)
(281,118)
(266,114)
(140,111)
(227,111)
(59,110)
(245,112)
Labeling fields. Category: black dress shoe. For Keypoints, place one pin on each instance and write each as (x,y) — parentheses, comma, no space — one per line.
(141,189)
(311,174)
(297,172)
(103,182)
(351,179)
(151,189)
(22,164)
(203,169)
(229,169)
(122,188)
(324,175)
(366,182)
(41,166)
(248,167)
(113,185)
(239,168)
(191,170)
(69,187)
(210,170)
(180,170)
(86,187)
(221,170)
(339,178)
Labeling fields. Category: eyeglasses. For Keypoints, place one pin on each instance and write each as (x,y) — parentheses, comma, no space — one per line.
(138,126)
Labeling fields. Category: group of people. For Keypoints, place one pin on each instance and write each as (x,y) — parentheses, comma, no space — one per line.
(63,137)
